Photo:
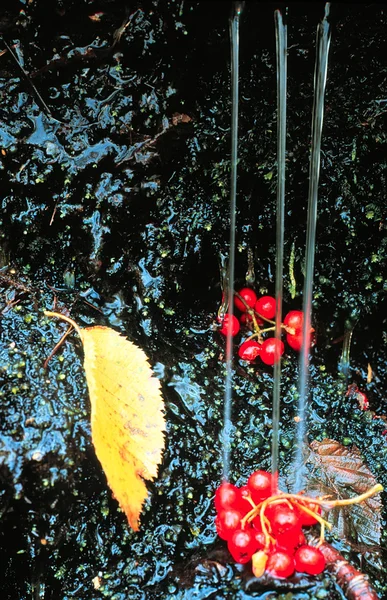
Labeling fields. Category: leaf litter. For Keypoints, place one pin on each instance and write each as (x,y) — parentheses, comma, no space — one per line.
(341,472)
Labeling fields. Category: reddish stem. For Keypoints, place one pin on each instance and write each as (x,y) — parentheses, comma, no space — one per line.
(354,584)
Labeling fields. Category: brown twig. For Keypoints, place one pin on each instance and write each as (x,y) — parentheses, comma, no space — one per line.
(28,78)
(118,32)
(53,214)
(57,346)
(10,304)
(92,306)
(15,284)
(355,585)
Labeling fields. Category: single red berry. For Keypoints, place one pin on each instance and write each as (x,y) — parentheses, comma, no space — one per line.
(265,307)
(285,519)
(294,320)
(249,350)
(242,545)
(301,539)
(307,519)
(246,319)
(226,496)
(235,326)
(289,540)
(260,539)
(259,484)
(226,522)
(309,560)
(280,564)
(271,351)
(249,296)
(295,341)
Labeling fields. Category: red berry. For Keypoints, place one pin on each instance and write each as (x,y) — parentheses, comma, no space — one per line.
(249,350)
(256,523)
(295,341)
(249,296)
(246,319)
(226,522)
(301,539)
(309,560)
(260,539)
(289,540)
(242,545)
(235,326)
(294,319)
(280,564)
(259,484)
(271,351)
(307,519)
(265,307)
(226,496)
(285,519)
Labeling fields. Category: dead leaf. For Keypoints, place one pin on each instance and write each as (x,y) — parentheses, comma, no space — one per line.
(341,472)
(97,16)
(127,421)
(178,118)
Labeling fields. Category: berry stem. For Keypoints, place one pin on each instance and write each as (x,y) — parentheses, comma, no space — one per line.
(49,313)
(263,526)
(267,329)
(322,535)
(250,501)
(255,322)
(290,330)
(298,500)
(257,335)
(328,504)
(247,307)
(250,311)
(265,318)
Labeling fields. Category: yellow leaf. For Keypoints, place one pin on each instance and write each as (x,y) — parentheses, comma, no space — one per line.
(259,560)
(127,421)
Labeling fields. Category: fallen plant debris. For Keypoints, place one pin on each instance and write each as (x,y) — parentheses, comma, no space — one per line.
(127,413)
(354,584)
(354,392)
(341,471)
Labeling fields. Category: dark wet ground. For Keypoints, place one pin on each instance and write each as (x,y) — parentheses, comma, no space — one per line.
(114,197)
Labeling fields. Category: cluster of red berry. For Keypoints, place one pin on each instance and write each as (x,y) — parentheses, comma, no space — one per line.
(254,313)
(266,527)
